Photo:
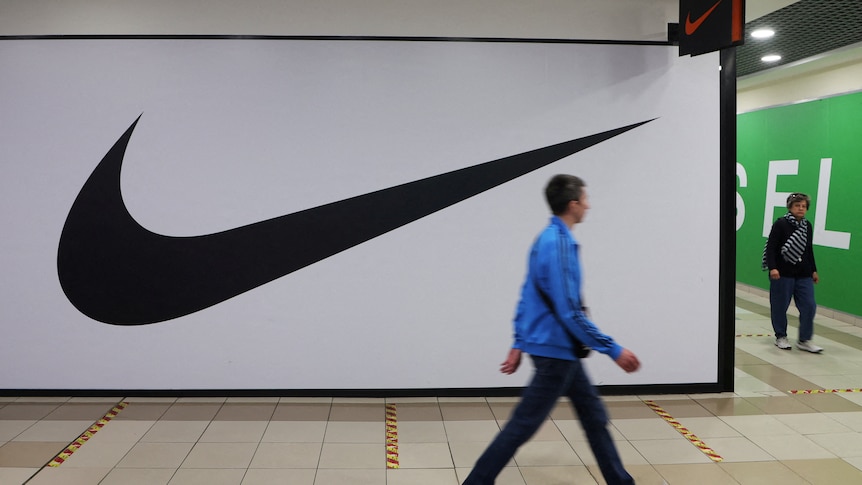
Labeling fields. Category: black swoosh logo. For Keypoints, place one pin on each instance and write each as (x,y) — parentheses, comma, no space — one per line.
(115,271)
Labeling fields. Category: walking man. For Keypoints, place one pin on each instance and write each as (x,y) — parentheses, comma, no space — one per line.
(550,326)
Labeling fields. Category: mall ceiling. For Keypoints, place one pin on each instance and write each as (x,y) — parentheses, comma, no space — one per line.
(803,30)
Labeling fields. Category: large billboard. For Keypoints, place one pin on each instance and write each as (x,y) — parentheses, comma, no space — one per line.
(330,214)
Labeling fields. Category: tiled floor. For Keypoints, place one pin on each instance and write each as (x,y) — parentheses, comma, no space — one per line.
(762,433)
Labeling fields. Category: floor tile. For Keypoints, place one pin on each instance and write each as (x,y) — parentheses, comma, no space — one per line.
(762,473)
(761,425)
(355,432)
(556,475)
(737,449)
(326,476)
(191,412)
(220,455)
(791,447)
(212,476)
(421,432)
(404,476)
(509,476)
(465,454)
(734,406)
(418,412)
(287,455)
(664,452)
(301,411)
(425,455)
(16,411)
(156,455)
(9,429)
(710,474)
(69,476)
(484,430)
(709,427)
(358,412)
(28,454)
(842,445)
(175,431)
(233,432)
(138,476)
(852,420)
(825,472)
(808,424)
(122,431)
(269,476)
(679,409)
(54,431)
(629,410)
(780,405)
(93,454)
(646,429)
(352,455)
(294,432)
(828,403)
(79,412)
(12,475)
(145,411)
(245,412)
(466,411)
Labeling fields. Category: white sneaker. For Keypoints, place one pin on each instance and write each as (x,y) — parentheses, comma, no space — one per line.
(807,346)
(782,343)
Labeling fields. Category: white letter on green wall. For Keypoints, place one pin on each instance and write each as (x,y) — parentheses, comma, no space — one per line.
(776,199)
(822,237)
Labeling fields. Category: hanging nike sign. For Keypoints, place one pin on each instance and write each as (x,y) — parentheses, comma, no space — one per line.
(710,25)
(115,271)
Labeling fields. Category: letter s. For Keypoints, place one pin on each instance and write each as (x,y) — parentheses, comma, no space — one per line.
(740,204)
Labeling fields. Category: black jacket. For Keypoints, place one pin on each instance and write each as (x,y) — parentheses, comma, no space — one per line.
(781,231)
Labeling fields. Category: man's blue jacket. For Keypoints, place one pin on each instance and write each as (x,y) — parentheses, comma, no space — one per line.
(555,270)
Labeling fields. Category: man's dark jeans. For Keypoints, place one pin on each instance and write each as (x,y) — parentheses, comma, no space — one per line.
(553,378)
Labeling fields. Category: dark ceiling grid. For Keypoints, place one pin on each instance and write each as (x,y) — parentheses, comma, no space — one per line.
(803,29)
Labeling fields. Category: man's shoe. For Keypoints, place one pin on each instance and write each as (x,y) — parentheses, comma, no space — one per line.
(782,343)
(807,346)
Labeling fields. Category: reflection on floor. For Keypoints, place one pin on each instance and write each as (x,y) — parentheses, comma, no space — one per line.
(762,433)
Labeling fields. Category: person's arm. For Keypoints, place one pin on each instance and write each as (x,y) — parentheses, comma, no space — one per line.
(810,244)
(513,360)
(772,249)
(560,280)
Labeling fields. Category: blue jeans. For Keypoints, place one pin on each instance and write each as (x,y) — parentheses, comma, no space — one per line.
(802,292)
(552,379)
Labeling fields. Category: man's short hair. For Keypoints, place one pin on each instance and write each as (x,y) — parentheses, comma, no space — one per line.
(798,197)
(561,190)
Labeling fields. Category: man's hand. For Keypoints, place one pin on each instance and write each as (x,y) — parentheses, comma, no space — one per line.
(815,278)
(628,361)
(513,360)
(773,274)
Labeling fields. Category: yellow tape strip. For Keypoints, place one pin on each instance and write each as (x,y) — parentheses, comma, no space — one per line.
(823,391)
(682,430)
(86,435)
(391,437)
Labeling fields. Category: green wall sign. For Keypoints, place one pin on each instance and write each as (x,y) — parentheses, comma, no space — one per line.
(816,148)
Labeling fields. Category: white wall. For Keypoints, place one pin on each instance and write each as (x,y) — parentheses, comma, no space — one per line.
(586,19)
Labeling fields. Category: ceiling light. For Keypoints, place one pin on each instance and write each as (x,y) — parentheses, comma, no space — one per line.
(771,58)
(763,33)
